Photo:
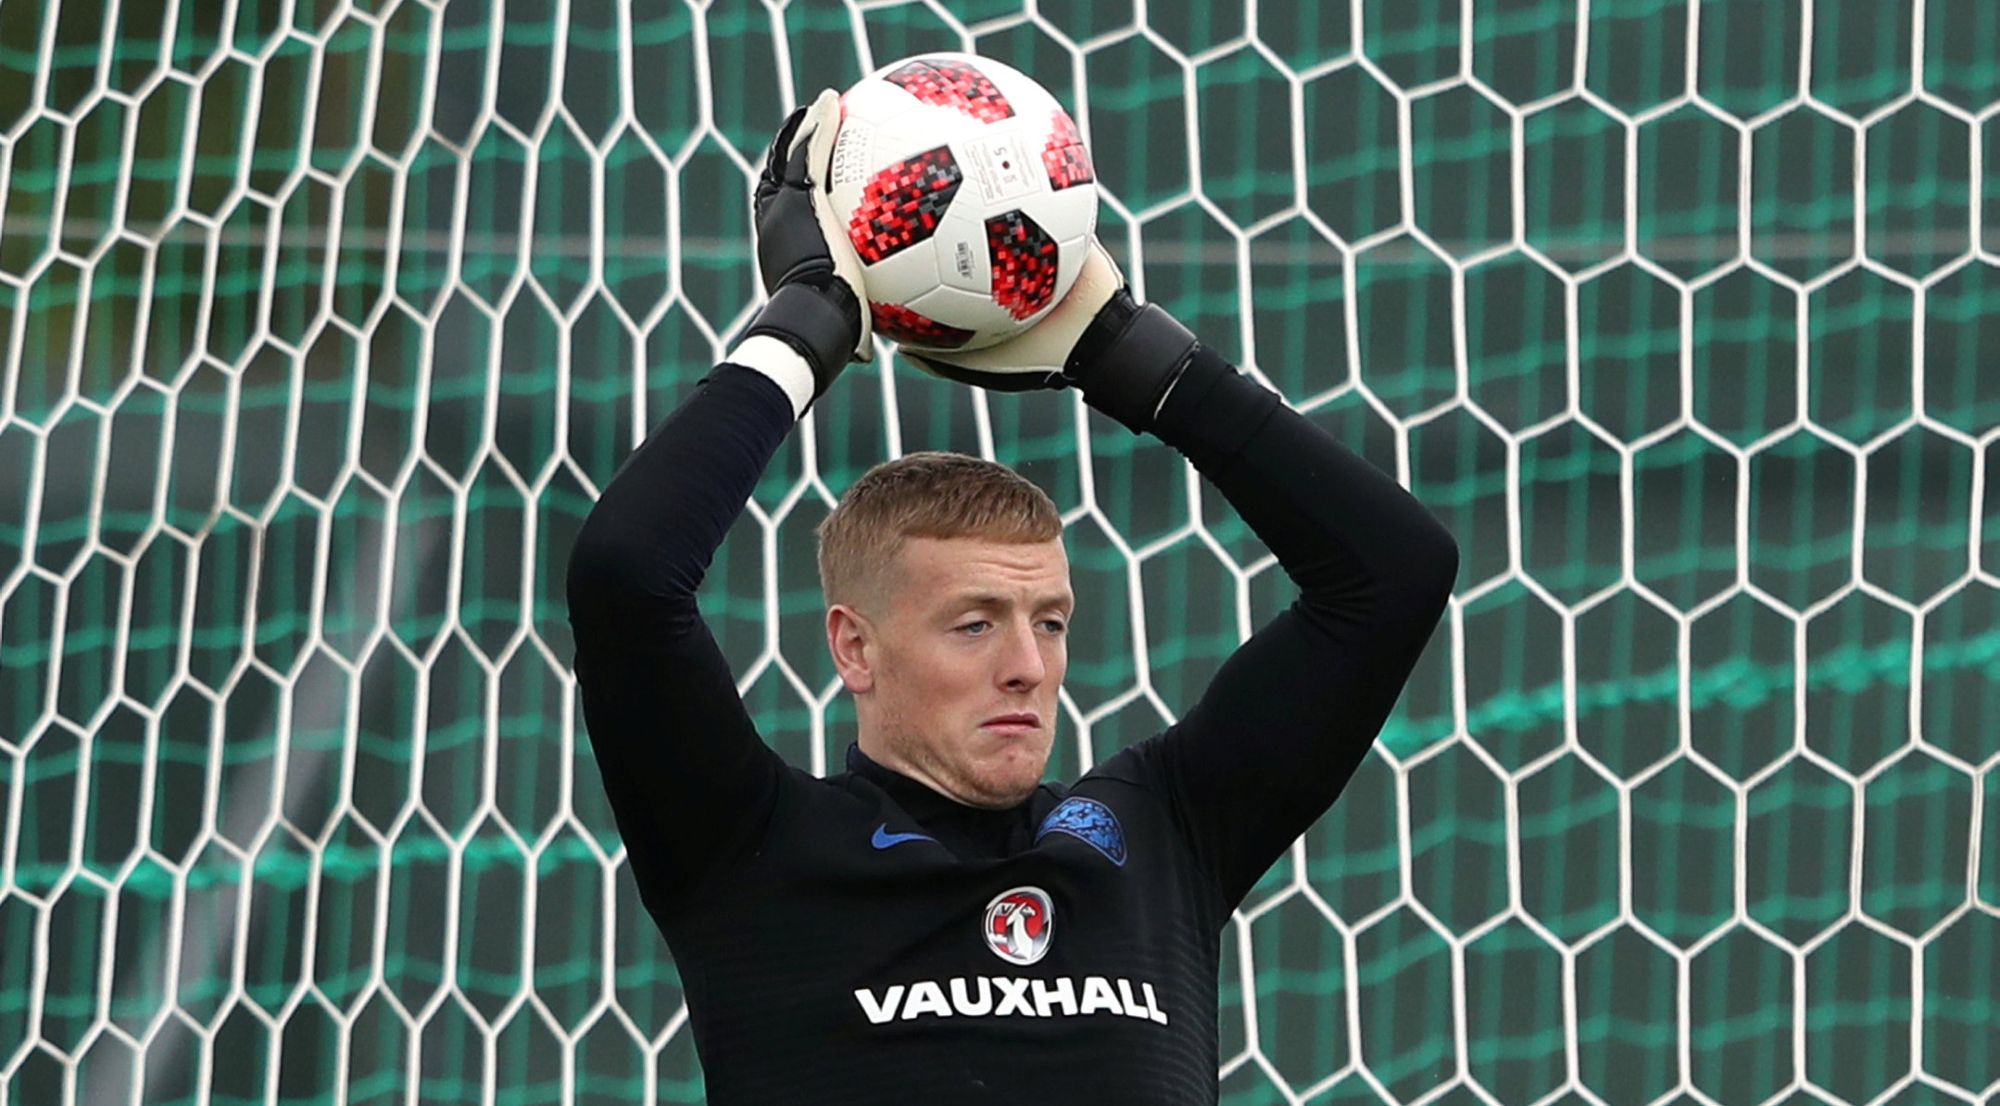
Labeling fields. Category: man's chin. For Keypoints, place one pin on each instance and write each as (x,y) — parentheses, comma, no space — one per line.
(1008,778)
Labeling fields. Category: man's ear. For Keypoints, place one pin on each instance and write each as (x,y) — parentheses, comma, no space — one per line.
(850,638)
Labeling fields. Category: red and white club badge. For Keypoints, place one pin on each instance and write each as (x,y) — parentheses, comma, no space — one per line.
(1019,923)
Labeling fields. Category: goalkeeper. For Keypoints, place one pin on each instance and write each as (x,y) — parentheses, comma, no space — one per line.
(936,924)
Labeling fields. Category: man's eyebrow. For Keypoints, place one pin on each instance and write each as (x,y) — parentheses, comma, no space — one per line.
(988,599)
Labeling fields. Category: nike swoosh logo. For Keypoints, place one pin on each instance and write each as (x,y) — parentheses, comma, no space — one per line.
(883,839)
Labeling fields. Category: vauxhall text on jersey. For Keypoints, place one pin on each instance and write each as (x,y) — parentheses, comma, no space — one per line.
(1016,997)
(861,938)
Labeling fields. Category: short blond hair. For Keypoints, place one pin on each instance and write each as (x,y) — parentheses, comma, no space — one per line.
(928,494)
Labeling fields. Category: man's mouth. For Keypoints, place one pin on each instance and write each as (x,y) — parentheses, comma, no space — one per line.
(1012,723)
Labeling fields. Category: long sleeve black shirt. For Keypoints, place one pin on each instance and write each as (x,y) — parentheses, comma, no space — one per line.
(864,939)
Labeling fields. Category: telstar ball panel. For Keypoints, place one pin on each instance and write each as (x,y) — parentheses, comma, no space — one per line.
(974,168)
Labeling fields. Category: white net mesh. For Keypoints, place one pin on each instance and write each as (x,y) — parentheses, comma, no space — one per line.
(323,323)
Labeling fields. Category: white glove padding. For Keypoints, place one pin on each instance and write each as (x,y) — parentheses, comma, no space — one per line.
(790,246)
(1035,357)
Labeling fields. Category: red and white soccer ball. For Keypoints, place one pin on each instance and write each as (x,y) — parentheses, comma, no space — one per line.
(968,193)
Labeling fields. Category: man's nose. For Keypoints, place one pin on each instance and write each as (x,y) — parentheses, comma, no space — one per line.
(1022,666)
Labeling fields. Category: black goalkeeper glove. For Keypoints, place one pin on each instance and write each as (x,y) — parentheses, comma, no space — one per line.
(1124,355)
(818,304)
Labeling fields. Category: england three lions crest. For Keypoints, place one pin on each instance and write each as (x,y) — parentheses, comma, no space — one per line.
(1090,821)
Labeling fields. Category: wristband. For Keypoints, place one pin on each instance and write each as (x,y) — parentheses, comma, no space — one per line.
(1129,358)
(813,322)
(782,364)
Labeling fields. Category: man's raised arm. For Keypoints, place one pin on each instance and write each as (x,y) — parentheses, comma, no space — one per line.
(691,783)
(1289,716)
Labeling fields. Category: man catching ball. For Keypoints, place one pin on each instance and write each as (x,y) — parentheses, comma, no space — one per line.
(937,924)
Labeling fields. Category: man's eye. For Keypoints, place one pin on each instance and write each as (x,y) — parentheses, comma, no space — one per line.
(976,627)
(1054,625)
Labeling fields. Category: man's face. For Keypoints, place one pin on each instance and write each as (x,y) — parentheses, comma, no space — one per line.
(962,653)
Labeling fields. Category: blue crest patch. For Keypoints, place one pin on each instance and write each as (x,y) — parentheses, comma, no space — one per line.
(1087,820)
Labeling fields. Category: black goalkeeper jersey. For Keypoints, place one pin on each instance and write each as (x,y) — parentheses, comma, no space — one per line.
(863,939)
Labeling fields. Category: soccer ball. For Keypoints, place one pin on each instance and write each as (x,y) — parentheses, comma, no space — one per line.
(968,193)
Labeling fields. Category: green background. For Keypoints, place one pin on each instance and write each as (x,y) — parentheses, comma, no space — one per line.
(323,323)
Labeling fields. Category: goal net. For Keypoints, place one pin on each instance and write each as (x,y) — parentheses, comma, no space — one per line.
(323,323)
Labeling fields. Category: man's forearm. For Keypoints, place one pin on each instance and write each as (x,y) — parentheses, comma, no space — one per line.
(1339,526)
(659,522)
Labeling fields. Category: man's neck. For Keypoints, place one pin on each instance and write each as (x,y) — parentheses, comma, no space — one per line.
(883,756)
